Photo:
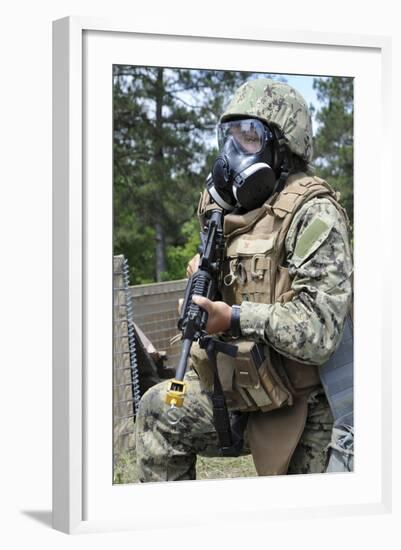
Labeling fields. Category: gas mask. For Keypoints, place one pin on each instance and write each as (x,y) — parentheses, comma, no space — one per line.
(243,173)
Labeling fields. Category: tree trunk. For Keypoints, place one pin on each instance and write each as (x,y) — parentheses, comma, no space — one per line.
(160,251)
(160,255)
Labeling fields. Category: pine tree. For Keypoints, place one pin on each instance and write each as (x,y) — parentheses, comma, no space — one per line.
(333,143)
(164,122)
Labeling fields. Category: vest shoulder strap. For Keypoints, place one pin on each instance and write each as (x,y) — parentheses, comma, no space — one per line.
(296,193)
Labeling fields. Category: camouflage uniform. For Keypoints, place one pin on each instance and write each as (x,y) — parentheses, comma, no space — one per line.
(167,452)
(306,329)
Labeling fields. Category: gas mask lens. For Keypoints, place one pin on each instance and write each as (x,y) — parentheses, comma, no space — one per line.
(249,135)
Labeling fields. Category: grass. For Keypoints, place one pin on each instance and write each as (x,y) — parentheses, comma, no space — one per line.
(225,467)
(125,470)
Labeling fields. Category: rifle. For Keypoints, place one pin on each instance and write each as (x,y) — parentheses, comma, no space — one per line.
(193,319)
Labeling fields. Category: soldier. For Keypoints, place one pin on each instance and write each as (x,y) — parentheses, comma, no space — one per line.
(285,289)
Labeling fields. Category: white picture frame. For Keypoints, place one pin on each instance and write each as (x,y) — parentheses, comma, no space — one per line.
(84,498)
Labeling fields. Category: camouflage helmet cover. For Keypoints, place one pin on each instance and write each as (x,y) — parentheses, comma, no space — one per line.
(276,103)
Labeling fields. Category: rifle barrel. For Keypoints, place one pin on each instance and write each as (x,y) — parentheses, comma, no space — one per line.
(182,365)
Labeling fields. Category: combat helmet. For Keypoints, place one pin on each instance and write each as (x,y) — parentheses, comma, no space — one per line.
(278,104)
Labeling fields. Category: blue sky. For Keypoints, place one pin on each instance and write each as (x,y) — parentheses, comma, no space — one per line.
(304,85)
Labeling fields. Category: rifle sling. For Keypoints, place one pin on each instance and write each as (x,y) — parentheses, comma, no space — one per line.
(231,436)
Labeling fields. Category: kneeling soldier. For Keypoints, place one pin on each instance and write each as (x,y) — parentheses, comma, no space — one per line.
(285,288)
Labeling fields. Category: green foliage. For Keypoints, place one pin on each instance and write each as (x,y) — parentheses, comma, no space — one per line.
(164,135)
(164,122)
(179,256)
(334,144)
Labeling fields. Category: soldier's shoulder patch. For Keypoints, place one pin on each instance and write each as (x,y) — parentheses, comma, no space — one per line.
(310,239)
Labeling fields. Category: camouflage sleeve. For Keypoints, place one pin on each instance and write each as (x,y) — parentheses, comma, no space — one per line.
(308,328)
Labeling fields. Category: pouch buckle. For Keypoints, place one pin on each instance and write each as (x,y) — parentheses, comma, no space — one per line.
(256,273)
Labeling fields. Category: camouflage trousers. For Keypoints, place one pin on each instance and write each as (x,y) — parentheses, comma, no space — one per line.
(167,448)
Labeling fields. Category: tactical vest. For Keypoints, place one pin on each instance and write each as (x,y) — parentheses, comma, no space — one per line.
(254,269)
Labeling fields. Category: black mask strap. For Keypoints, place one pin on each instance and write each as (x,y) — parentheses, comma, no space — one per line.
(281,162)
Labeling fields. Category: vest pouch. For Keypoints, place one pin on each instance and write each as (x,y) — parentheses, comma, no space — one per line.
(254,384)
(246,270)
(237,399)
(276,385)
